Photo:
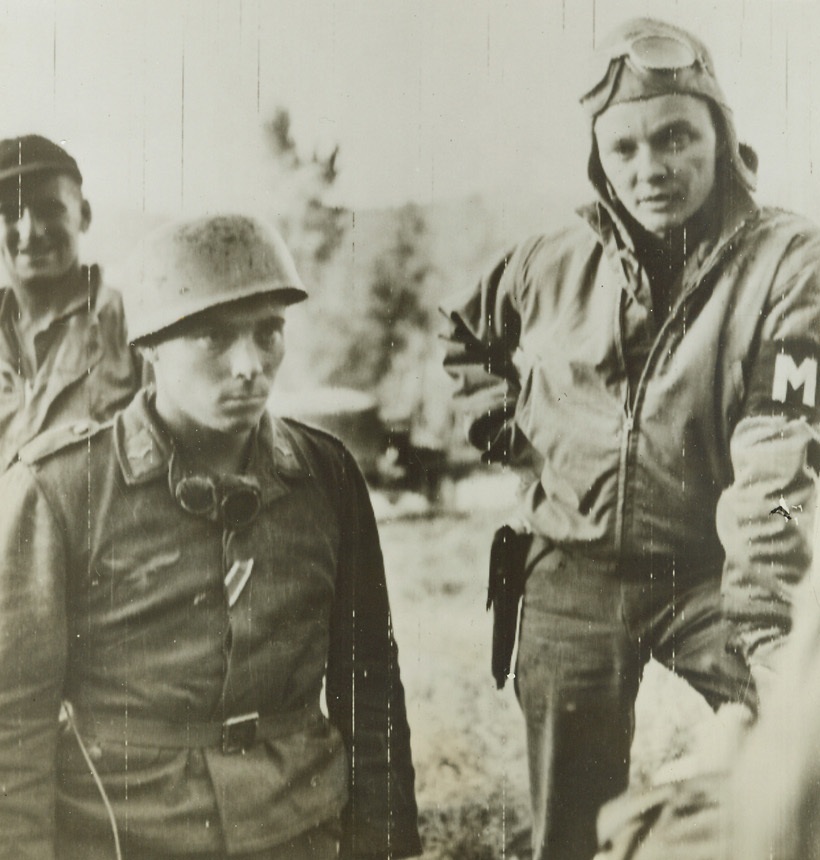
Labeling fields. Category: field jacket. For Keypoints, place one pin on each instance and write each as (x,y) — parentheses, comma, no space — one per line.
(86,369)
(114,598)
(663,445)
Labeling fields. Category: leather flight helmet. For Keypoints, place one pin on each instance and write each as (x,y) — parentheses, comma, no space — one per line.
(646,57)
(190,266)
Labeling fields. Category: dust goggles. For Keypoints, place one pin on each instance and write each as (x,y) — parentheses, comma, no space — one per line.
(232,502)
(645,54)
(656,53)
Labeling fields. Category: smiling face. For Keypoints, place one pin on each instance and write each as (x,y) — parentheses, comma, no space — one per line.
(659,155)
(216,374)
(41,219)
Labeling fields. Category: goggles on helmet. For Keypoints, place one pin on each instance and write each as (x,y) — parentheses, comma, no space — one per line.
(657,53)
(645,54)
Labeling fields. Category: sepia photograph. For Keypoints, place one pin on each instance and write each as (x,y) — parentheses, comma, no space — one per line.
(409,430)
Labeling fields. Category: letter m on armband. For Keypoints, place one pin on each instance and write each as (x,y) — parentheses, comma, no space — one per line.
(789,377)
(785,379)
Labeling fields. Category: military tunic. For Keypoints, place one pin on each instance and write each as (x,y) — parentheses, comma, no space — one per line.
(161,626)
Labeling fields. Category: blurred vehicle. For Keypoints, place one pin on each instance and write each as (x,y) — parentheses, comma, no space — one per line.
(390,452)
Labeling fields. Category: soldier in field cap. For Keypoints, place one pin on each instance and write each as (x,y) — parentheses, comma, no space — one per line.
(187,579)
(64,354)
(656,361)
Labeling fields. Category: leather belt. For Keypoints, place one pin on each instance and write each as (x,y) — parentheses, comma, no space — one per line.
(234,735)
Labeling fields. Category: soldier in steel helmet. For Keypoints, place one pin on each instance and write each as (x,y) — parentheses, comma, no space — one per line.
(657,361)
(64,354)
(184,579)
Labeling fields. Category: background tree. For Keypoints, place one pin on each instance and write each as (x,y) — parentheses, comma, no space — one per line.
(315,229)
(393,311)
(368,321)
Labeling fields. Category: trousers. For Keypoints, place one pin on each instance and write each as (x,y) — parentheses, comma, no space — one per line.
(588,628)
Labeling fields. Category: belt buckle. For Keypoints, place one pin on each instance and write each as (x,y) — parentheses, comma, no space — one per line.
(239,733)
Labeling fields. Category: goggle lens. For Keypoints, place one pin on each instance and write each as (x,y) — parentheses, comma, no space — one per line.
(197,495)
(661,53)
(240,507)
(235,505)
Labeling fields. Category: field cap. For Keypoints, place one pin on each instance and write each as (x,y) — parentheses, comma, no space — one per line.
(33,153)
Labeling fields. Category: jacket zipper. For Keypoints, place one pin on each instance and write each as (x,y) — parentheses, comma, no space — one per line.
(632,405)
(626,438)
(626,426)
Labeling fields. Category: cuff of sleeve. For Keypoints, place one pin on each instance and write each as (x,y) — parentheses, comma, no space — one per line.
(762,649)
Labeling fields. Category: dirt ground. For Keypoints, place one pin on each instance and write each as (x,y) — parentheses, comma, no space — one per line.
(468,738)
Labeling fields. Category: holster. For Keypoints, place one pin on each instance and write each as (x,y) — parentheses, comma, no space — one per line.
(508,574)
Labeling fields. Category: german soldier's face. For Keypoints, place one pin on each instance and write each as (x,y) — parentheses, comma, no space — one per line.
(659,155)
(217,374)
(41,219)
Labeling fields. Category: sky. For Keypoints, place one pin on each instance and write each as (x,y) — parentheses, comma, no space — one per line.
(163,102)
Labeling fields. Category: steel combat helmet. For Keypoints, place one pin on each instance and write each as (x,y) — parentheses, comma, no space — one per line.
(191,266)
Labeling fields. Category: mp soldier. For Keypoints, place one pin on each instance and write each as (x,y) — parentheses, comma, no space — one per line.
(64,354)
(657,360)
(184,579)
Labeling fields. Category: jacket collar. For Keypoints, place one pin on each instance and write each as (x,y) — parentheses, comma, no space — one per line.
(144,449)
(85,285)
(79,346)
(739,208)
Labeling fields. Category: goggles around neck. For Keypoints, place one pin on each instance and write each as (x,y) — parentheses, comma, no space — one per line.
(233,502)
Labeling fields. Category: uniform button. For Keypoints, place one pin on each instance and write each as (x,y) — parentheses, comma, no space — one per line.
(95,752)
